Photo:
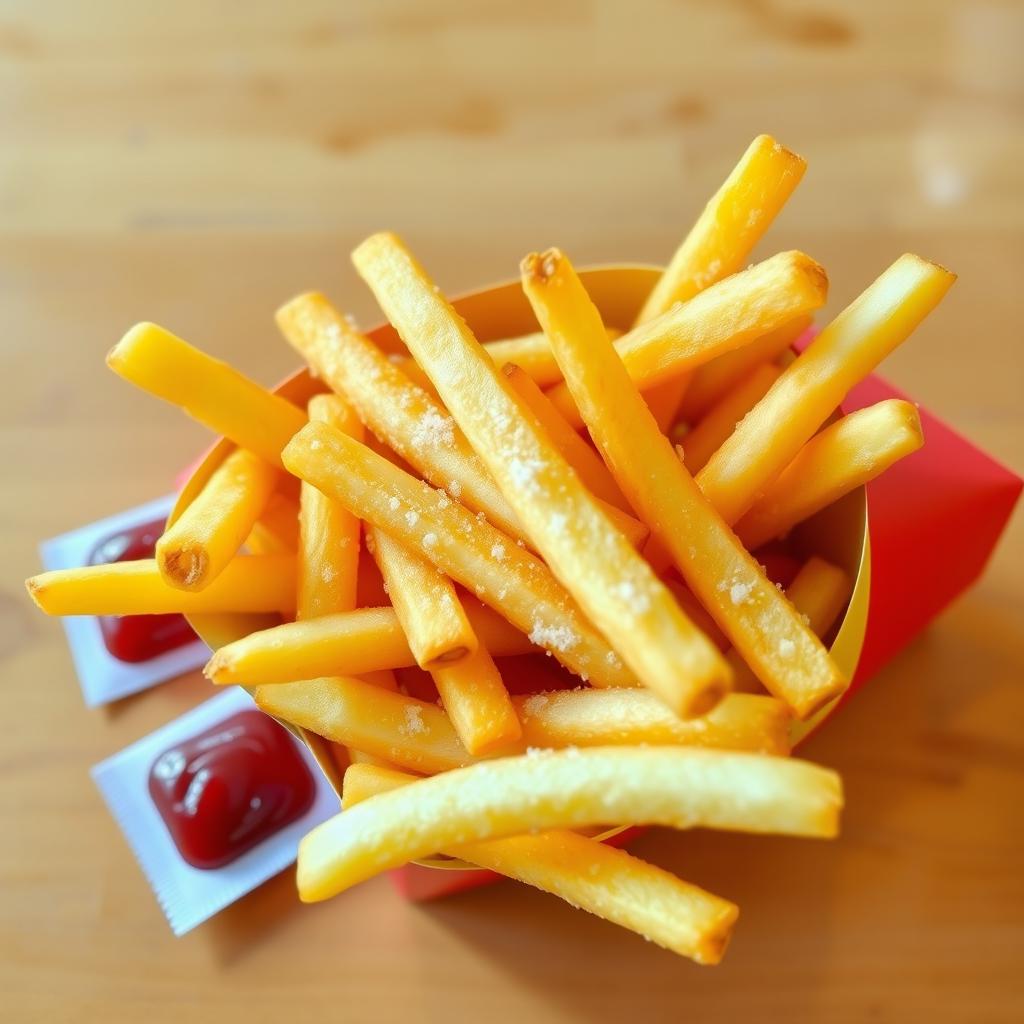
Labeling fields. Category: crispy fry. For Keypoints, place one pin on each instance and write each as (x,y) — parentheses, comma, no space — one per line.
(276,532)
(589,718)
(724,317)
(209,390)
(249,583)
(773,432)
(676,786)
(604,881)
(720,420)
(790,660)
(844,456)
(194,551)
(348,643)
(328,562)
(501,573)
(593,560)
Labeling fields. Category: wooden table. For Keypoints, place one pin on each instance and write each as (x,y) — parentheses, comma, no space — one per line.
(197,165)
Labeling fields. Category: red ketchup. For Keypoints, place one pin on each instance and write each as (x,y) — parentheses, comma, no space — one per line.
(226,790)
(135,638)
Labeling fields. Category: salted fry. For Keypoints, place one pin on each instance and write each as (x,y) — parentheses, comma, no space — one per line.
(846,351)
(209,390)
(720,420)
(488,562)
(249,583)
(724,317)
(844,456)
(761,623)
(276,532)
(427,606)
(604,881)
(348,643)
(407,419)
(589,718)
(676,786)
(410,733)
(194,550)
(590,557)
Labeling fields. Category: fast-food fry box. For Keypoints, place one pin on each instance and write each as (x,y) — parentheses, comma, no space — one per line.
(948,497)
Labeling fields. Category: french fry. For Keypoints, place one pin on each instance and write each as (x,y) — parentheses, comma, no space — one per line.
(587,874)
(410,733)
(276,532)
(676,786)
(328,562)
(207,389)
(402,415)
(760,622)
(477,703)
(842,457)
(348,643)
(427,606)
(593,560)
(724,317)
(717,378)
(589,718)
(194,550)
(501,573)
(249,583)
(720,420)
(847,350)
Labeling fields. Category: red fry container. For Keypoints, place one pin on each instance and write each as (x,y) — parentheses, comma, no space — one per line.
(947,497)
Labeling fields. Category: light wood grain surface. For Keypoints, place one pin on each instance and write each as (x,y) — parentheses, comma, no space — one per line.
(197,163)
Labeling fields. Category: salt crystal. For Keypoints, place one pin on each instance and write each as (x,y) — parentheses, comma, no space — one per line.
(412,517)
(786,648)
(534,704)
(413,724)
(455,489)
(740,592)
(433,430)
(327,573)
(561,638)
(394,504)
(315,445)
(498,552)
(429,540)
(613,659)
(442,501)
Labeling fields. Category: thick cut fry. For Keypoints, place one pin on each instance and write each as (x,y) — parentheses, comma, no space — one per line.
(209,390)
(593,718)
(209,533)
(811,387)
(410,733)
(399,413)
(716,379)
(593,560)
(249,583)
(501,573)
(349,643)
(720,420)
(761,623)
(276,532)
(597,878)
(328,562)
(724,317)
(844,456)
(676,786)
(427,606)
(477,702)
(587,463)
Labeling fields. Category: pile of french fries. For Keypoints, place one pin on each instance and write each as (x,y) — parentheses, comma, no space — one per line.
(600,492)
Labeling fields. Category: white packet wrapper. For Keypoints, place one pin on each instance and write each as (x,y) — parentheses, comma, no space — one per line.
(103,677)
(189,895)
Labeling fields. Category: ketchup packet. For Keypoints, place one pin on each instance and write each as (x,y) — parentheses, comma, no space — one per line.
(213,804)
(117,656)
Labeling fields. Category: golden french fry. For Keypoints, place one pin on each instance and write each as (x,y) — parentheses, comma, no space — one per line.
(844,456)
(209,533)
(328,563)
(681,787)
(501,573)
(249,583)
(773,432)
(720,420)
(589,875)
(348,643)
(402,415)
(276,532)
(610,581)
(760,622)
(209,390)
(724,317)
(589,717)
